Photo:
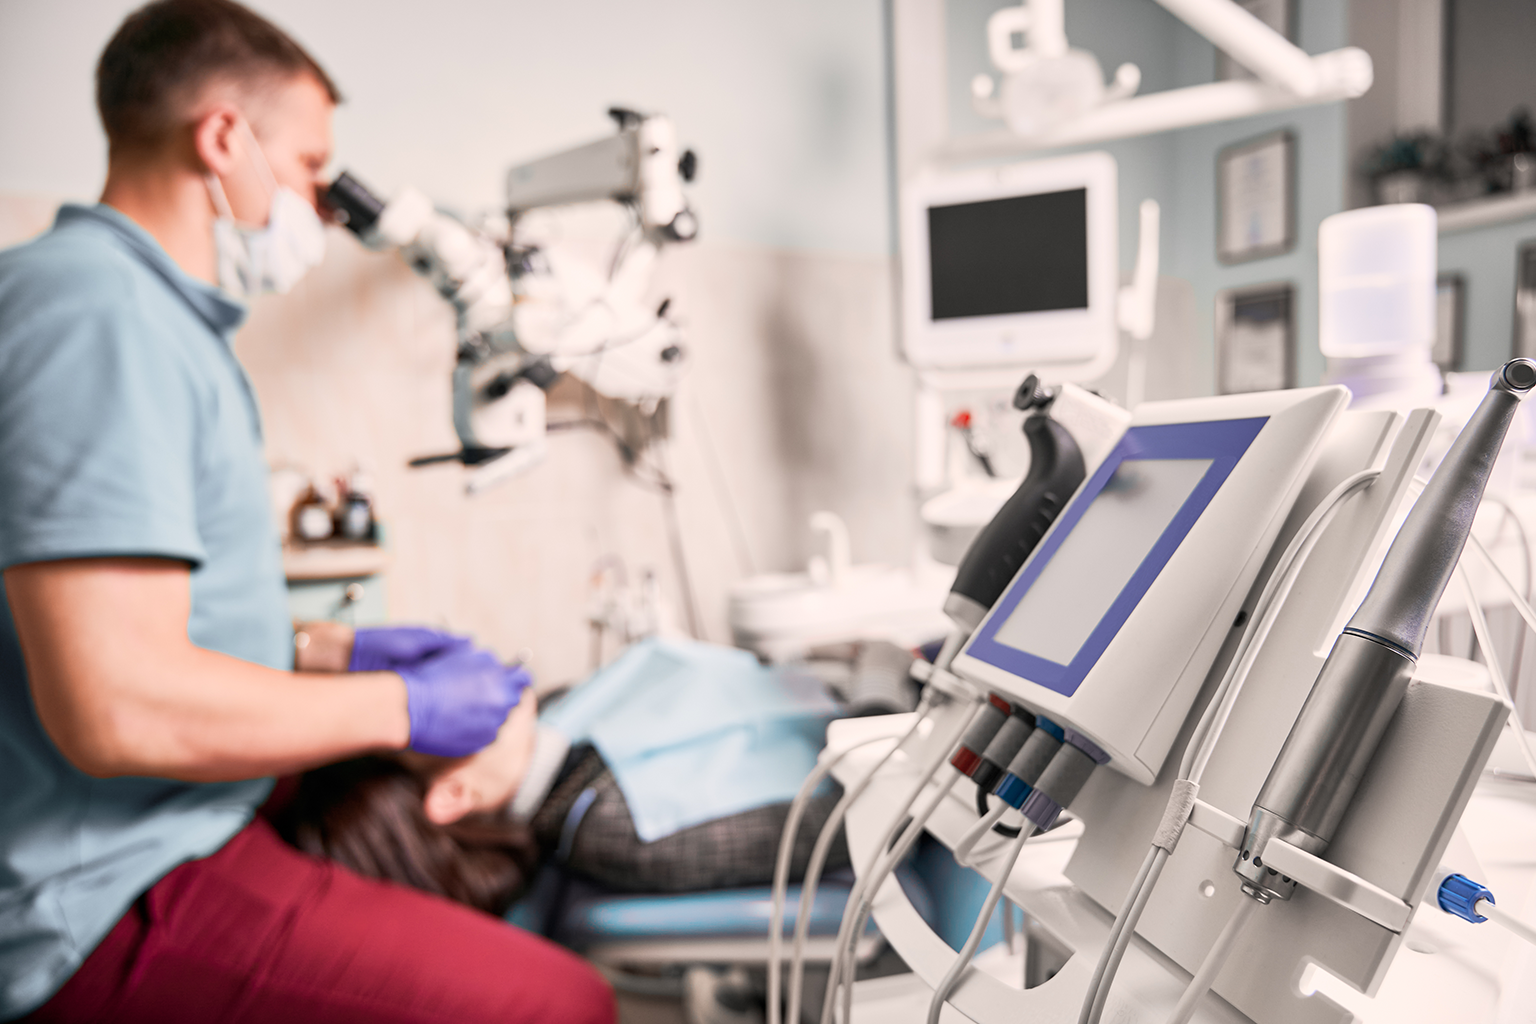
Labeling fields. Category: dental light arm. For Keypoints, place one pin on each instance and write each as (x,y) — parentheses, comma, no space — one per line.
(1052,95)
(1359,687)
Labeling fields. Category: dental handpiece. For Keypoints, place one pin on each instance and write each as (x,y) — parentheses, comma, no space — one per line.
(1357,692)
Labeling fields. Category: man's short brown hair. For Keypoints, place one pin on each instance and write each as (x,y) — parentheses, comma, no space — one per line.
(165,53)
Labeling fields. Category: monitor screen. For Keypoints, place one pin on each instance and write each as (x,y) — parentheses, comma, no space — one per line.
(1075,589)
(1022,254)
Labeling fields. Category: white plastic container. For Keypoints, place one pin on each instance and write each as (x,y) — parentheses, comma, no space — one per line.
(1376,277)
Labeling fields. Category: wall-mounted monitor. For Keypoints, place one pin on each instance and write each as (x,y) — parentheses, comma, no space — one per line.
(1014,266)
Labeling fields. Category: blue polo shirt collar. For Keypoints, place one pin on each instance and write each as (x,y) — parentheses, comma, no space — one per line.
(222,313)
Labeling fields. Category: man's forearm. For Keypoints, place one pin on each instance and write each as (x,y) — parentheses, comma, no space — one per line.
(121,690)
(207,717)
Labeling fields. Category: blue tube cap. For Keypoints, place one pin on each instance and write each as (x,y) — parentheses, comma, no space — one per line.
(1013,790)
(1459,895)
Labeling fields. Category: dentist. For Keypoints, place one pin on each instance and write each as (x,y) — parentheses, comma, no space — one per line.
(147,683)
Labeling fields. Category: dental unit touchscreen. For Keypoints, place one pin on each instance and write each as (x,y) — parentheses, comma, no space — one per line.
(1114,622)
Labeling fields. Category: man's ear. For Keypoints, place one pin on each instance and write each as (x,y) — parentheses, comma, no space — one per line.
(219,146)
(449,797)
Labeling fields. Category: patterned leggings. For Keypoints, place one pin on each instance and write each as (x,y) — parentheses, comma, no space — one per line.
(585,825)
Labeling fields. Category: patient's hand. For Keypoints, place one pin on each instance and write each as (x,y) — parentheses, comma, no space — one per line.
(485,780)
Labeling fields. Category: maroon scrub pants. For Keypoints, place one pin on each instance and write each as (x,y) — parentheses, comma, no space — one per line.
(262,932)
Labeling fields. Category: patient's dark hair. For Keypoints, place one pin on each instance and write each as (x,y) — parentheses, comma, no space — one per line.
(366,815)
(164,53)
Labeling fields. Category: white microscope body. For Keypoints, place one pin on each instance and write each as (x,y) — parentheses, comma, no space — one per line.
(529,309)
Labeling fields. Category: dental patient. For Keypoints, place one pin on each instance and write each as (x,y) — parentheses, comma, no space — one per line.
(475,829)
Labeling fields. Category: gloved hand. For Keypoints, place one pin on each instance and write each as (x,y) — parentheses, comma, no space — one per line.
(458,698)
(387,648)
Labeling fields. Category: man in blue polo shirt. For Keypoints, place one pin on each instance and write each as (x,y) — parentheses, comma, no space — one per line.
(147,691)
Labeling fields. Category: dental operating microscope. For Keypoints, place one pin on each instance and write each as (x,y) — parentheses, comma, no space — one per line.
(520,324)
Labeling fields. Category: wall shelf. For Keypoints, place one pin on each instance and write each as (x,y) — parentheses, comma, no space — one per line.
(1479,213)
(332,560)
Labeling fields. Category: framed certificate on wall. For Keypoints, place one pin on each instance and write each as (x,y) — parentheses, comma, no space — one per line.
(1255,339)
(1256,198)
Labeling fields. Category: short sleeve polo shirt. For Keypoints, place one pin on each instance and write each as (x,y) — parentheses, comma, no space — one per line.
(127,428)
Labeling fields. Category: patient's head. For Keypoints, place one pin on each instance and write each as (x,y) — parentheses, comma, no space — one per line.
(433,824)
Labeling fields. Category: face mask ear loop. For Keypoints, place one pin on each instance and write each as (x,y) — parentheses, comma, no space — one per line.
(220,200)
(263,169)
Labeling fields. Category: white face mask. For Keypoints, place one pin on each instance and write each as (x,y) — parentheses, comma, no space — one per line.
(253,261)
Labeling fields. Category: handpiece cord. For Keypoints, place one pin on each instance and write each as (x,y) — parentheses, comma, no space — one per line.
(812,878)
(942,748)
(843,969)
(786,855)
(1505,919)
(968,951)
(1208,730)
(1491,662)
(1200,984)
(975,833)
(1114,950)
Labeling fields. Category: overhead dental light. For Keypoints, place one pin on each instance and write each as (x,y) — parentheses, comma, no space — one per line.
(1046,83)
(1054,95)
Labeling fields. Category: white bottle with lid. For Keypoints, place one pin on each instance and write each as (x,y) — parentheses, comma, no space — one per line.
(1376,305)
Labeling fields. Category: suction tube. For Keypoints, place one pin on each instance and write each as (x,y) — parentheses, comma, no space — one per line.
(1367,672)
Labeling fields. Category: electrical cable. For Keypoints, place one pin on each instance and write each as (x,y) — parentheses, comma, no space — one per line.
(861,900)
(1485,639)
(786,854)
(942,749)
(968,951)
(1200,984)
(844,971)
(813,878)
(1523,606)
(1505,919)
(1511,516)
(1266,610)
(974,834)
(1208,730)
(1136,902)
(737,532)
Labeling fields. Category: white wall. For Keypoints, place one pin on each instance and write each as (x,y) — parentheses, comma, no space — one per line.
(795,400)
(783,101)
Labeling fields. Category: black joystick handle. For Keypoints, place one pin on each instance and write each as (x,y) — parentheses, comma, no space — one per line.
(1000,549)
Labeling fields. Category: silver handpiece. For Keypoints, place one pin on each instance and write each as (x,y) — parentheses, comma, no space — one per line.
(1368,670)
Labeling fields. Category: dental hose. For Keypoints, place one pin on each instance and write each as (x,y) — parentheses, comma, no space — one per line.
(1071,765)
(862,899)
(1495,671)
(974,834)
(968,951)
(993,733)
(1200,984)
(813,869)
(1208,730)
(862,891)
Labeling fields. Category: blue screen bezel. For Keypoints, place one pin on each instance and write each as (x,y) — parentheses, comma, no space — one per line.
(1222,441)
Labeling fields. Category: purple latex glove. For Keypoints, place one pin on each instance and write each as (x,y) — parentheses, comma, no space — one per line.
(388,648)
(458,699)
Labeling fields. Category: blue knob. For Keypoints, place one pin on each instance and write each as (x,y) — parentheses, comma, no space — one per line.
(1459,895)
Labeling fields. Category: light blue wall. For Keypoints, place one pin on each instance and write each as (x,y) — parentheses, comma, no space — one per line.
(1178,169)
(1486,259)
(785,102)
